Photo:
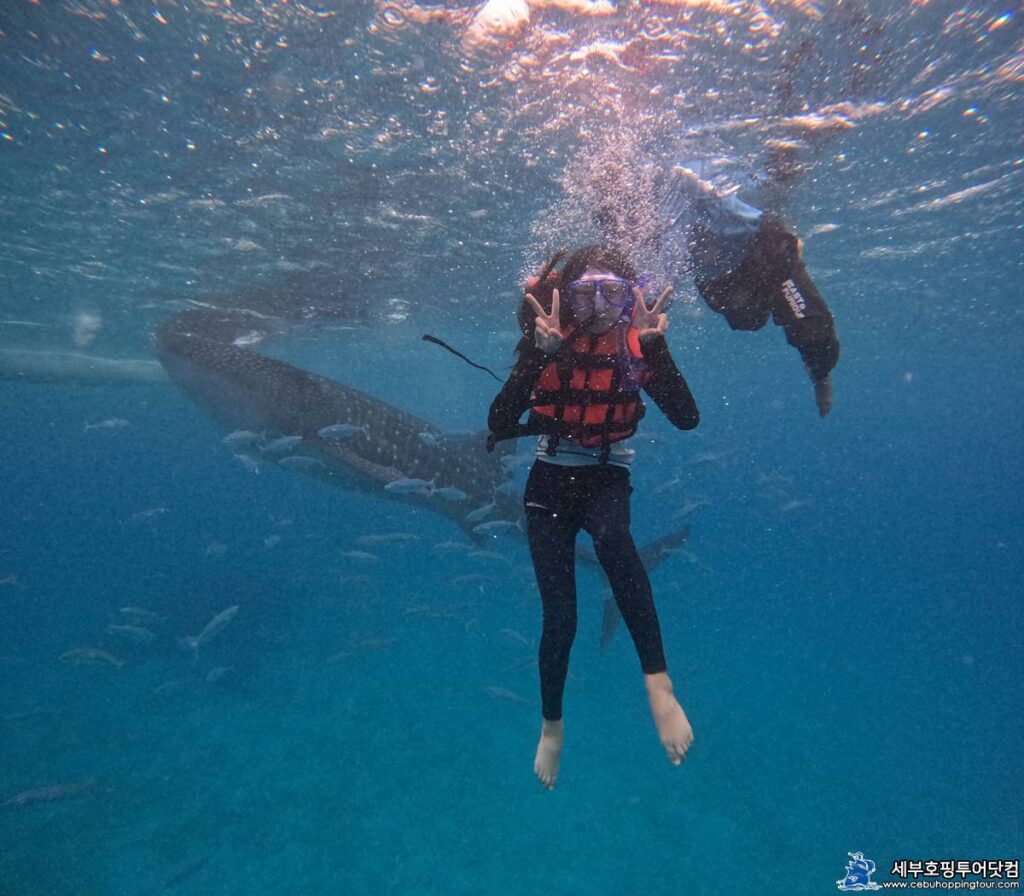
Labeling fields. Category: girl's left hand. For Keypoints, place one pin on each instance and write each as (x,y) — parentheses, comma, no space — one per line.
(651,321)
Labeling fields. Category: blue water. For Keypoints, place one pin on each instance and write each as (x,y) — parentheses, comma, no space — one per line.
(851,664)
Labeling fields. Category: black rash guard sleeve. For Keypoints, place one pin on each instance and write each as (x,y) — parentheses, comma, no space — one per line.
(667,386)
(514,397)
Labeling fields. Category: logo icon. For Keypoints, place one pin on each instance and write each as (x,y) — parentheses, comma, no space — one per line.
(858,874)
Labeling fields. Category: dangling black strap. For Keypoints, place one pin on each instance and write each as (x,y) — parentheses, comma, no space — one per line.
(428,338)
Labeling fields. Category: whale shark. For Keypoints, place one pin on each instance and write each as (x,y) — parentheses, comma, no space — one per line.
(208,353)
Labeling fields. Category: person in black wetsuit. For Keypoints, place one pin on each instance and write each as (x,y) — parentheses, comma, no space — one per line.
(769,280)
(591,344)
(745,263)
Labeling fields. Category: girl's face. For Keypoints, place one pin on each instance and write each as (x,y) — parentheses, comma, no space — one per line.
(611,293)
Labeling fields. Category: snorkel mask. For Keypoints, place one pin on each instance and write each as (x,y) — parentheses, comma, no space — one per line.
(615,293)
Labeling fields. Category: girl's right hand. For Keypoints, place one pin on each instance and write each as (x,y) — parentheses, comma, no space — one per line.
(547,329)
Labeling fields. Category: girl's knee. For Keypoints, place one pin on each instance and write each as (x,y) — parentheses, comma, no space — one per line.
(614,544)
(560,619)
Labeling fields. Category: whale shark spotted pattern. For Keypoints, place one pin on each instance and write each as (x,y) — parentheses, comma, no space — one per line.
(385,445)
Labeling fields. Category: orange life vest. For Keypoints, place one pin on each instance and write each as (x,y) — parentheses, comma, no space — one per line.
(590,391)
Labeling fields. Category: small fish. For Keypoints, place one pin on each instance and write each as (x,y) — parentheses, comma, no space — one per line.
(218,672)
(690,507)
(489,556)
(480,513)
(450,547)
(364,556)
(510,487)
(12,579)
(521,664)
(216,549)
(90,655)
(820,228)
(708,457)
(134,633)
(112,423)
(497,527)
(451,494)
(409,487)
(251,466)
(339,432)
(386,538)
(240,438)
(500,693)
(516,637)
(280,446)
(215,625)
(143,615)
(52,793)
(793,505)
(271,541)
(147,514)
(778,480)
(666,486)
(430,439)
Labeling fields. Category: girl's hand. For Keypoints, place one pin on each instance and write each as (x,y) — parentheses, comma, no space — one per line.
(651,321)
(547,330)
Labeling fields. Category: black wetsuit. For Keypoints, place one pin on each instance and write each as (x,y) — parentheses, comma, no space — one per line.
(561,500)
(770,281)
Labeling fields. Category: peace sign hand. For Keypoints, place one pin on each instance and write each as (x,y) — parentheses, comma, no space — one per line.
(547,330)
(651,321)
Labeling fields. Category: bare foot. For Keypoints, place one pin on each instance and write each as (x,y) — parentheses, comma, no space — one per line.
(549,751)
(673,726)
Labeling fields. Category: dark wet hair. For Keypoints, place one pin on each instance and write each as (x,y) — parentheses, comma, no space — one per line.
(604,257)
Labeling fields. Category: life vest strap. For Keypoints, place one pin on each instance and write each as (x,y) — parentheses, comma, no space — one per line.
(551,426)
(590,361)
(582,397)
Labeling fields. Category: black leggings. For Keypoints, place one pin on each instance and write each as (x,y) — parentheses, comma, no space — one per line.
(561,500)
